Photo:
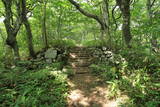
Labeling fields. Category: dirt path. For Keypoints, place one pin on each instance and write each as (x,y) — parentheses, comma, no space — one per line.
(87,90)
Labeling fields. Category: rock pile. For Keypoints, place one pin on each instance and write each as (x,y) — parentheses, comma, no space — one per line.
(103,55)
(51,55)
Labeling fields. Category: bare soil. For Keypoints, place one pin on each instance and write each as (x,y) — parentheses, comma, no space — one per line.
(87,90)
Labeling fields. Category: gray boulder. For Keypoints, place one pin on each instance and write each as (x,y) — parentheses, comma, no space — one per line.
(51,53)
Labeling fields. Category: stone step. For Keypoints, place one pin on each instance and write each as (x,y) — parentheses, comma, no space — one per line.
(73,55)
(80,52)
(81,60)
(81,57)
(80,70)
(78,64)
(75,51)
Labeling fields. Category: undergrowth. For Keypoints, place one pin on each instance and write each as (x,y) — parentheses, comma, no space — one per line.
(40,87)
(138,77)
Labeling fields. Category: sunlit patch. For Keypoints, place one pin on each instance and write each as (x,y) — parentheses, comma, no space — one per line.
(81,61)
(101,91)
(71,84)
(55,72)
(64,70)
(76,95)
(110,104)
(84,102)
(73,65)
(85,92)
(72,55)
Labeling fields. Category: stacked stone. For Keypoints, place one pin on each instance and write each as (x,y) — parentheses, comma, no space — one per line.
(51,55)
(105,56)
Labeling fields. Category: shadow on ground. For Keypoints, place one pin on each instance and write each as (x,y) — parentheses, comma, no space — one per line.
(87,90)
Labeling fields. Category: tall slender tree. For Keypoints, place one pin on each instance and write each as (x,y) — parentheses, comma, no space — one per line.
(28,29)
(12,26)
(124,6)
(106,18)
(44,29)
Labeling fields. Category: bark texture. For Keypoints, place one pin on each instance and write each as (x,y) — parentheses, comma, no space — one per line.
(125,9)
(44,29)
(12,27)
(28,29)
(105,18)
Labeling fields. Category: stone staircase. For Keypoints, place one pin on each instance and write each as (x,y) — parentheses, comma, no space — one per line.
(80,58)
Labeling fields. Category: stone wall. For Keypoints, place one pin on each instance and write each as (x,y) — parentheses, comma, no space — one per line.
(103,55)
(52,55)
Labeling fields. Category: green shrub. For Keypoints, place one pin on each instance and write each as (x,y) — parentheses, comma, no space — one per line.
(139,58)
(35,88)
(139,87)
(138,77)
(106,72)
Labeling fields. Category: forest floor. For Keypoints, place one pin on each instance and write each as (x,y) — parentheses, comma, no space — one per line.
(87,90)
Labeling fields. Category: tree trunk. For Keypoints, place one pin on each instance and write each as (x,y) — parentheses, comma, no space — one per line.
(16,51)
(12,27)
(44,32)
(28,29)
(125,9)
(59,23)
(12,42)
(106,21)
(103,34)
(29,39)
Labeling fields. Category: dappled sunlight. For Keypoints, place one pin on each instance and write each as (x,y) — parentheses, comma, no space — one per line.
(78,97)
(71,84)
(73,55)
(89,91)
(73,65)
(80,53)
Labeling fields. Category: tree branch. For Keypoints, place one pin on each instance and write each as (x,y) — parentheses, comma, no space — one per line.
(86,13)
(18,22)
(153,3)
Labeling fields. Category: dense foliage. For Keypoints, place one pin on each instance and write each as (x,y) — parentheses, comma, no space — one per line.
(43,86)
(135,73)
(129,29)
